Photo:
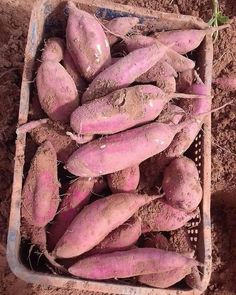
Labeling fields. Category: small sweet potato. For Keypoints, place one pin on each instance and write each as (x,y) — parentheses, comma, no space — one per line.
(120,26)
(134,262)
(86,42)
(124,72)
(57,92)
(126,180)
(75,199)
(70,67)
(168,84)
(40,195)
(122,238)
(181,184)
(53,50)
(160,216)
(96,221)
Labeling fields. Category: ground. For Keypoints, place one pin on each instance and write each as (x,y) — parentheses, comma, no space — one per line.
(14,19)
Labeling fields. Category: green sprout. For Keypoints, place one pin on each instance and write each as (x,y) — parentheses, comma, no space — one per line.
(217,18)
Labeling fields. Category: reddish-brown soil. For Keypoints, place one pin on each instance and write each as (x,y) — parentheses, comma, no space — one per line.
(14,19)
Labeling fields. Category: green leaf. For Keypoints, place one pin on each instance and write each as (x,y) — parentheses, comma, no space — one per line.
(222,19)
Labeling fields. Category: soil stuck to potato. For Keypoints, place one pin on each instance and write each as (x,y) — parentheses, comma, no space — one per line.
(14,19)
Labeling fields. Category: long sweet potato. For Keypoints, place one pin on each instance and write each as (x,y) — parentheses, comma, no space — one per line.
(96,221)
(86,42)
(126,180)
(137,261)
(124,72)
(40,195)
(57,92)
(76,198)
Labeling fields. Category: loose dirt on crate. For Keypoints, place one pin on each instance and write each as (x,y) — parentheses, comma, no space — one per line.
(14,19)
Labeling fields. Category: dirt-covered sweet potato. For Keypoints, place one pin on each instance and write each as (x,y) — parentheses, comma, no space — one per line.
(53,50)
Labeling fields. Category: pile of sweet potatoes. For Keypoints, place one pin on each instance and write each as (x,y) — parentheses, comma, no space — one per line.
(120,131)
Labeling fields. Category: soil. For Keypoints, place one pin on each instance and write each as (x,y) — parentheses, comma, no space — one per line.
(14,19)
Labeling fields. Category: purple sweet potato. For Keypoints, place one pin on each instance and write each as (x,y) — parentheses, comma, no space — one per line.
(70,67)
(56,133)
(75,199)
(160,216)
(137,261)
(120,26)
(57,92)
(124,72)
(40,195)
(86,42)
(53,50)
(123,181)
(122,238)
(176,60)
(119,110)
(137,144)
(96,221)
(181,184)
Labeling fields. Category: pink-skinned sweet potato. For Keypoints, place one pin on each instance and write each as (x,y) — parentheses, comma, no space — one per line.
(57,92)
(182,140)
(137,144)
(178,62)
(53,50)
(70,67)
(160,216)
(173,114)
(122,238)
(40,195)
(168,84)
(96,221)
(126,180)
(75,199)
(124,72)
(137,261)
(56,133)
(86,42)
(159,71)
(181,184)
(183,41)
(120,26)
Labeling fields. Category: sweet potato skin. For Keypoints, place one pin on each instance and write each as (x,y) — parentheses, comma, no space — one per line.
(160,216)
(86,42)
(57,92)
(53,50)
(96,221)
(40,195)
(181,184)
(75,199)
(124,72)
(119,110)
(126,180)
(111,265)
(138,144)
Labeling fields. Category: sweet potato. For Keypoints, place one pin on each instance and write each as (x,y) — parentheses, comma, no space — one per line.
(75,199)
(160,216)
(181,184)
(156,240)
(120,26)
(122,238)
(184,80)
(168,84)
(137,261)
(126,180)
(137,144)
(86,42)
(70,67)
(96,221)
(183,41)
(119,110)
(53,50)
(124,72)
(171,115)
(40,195)
(176,60)
(56,133)
(100,185)
(159,71)
(57,92)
